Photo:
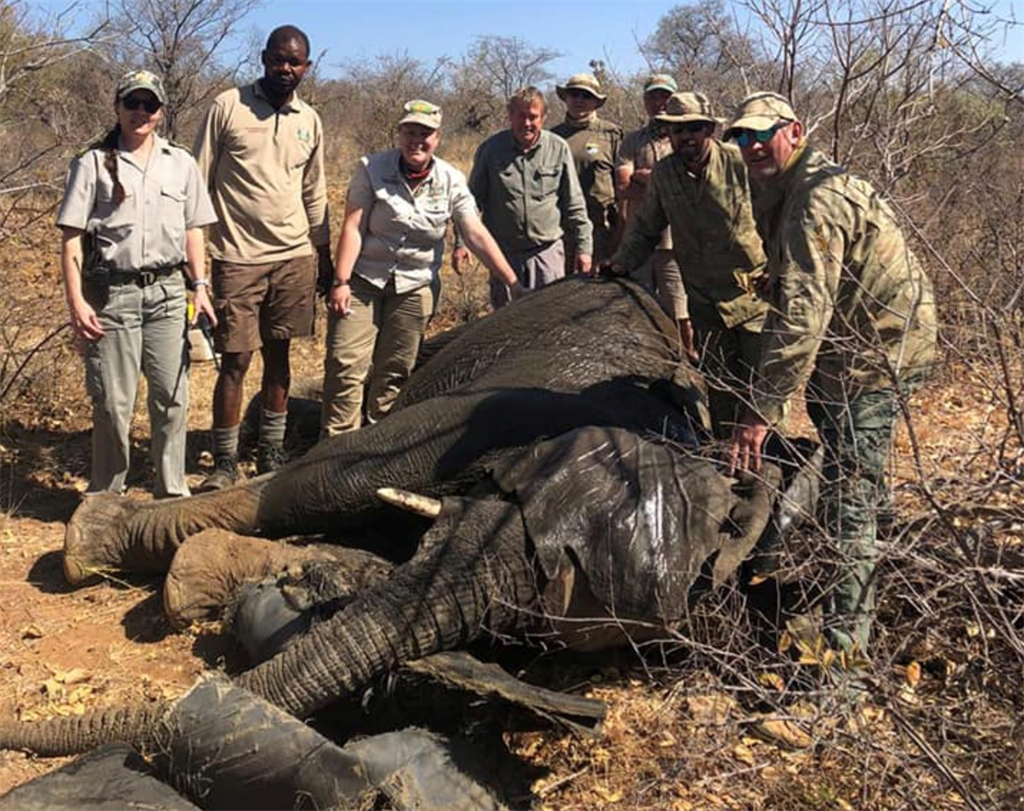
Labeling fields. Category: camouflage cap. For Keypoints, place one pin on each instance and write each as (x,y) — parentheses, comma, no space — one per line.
(582,81)
(422,112)
(140,80)
(660,81)
(687,106)
(760,111)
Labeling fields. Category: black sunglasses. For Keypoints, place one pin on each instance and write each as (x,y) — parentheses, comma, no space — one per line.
(134,103)
(579,94)
(690,127)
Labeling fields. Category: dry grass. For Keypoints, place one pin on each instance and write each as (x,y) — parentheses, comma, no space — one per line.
(686,726)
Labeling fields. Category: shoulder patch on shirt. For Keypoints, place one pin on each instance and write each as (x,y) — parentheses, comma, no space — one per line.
(304,135)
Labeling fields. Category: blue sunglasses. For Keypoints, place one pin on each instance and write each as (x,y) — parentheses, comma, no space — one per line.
(745,138)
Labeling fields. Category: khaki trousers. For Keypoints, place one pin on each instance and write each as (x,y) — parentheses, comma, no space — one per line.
(371,352)
(144,332)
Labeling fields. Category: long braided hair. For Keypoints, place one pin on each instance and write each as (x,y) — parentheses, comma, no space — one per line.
(108,143)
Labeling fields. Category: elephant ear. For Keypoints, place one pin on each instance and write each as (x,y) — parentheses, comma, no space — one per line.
(644,521)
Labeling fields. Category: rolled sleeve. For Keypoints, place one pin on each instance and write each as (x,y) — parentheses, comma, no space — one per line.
(79,193)
(199,209)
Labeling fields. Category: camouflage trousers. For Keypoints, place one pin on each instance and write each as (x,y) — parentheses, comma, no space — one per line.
(857,437)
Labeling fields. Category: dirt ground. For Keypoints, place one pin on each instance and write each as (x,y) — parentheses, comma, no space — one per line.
(677,737)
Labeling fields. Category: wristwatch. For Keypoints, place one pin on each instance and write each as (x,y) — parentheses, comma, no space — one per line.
(200,283)
(339,282)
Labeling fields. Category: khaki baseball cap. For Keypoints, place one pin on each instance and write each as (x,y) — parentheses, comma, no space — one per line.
(140,80)
(687,106)
(581,81)
(422,112)
(760,111)
(660,81)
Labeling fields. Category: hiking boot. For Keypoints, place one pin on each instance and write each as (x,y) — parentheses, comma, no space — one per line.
(270,458)
(225,474)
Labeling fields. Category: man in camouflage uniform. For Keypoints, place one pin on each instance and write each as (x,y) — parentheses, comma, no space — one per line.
(594,144)
(852,316)
(640,150)
(700,193)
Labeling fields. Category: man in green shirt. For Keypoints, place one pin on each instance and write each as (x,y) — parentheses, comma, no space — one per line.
(700,193)
(526,188)
(594,143)
(852,316)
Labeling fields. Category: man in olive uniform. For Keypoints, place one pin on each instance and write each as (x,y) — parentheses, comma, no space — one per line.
(594,144)
(700,193)
(852,315)
(640,150)
(529,198)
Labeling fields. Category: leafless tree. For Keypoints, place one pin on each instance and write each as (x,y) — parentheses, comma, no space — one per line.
(186,42)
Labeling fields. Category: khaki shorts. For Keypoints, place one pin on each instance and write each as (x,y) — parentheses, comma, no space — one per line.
(259,303)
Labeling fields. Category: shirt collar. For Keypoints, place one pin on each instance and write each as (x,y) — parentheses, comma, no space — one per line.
(518,149)
(293,105)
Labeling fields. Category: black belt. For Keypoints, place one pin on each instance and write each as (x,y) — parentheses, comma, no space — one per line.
(144,277)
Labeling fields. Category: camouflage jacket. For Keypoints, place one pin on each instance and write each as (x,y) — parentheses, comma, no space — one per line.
(714,237)
(851,309)
(595,151)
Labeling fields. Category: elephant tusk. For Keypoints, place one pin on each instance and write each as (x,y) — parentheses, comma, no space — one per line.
(413,502)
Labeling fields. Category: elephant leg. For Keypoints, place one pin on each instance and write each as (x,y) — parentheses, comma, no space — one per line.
(208,571)
(108,533)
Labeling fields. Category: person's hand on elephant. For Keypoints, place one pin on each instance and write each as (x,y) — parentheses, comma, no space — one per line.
(584,264)
(339,299)
(745,448)
(610,268)
(460,259)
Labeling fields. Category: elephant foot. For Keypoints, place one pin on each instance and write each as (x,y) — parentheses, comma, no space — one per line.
(210,568)
(92,539)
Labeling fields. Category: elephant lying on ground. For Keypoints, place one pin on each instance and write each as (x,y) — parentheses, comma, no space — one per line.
(582,352)
(596,511)
(225,749)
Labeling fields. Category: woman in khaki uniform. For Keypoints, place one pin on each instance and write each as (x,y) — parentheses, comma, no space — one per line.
(389,253)
(132,217)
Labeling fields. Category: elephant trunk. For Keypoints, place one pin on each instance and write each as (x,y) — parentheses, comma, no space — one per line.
(451,593)
(136,725)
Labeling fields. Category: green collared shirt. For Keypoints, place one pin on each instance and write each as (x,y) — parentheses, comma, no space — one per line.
(529,199)
(852,311)
(595,151)
(714,236)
